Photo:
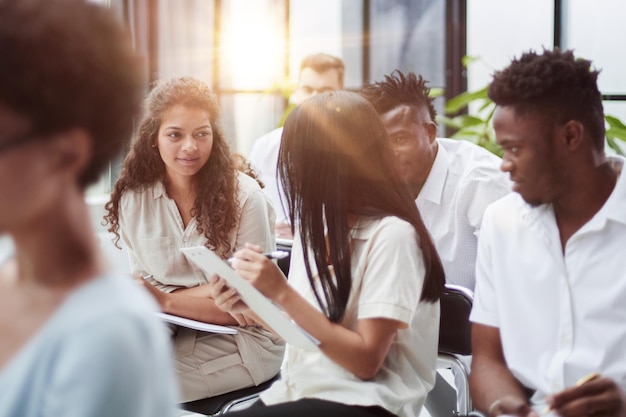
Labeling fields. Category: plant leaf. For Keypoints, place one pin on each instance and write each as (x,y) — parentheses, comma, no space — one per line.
(436,92)
(614,146)
(449,121)
(488,103)
(467,60)
(468,120)
(462,100)
(614,122)
(616,133)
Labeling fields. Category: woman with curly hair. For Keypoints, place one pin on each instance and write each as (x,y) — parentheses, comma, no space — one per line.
(180,187)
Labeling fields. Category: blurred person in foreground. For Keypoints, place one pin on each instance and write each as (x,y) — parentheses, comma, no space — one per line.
(549,309)
(76,340)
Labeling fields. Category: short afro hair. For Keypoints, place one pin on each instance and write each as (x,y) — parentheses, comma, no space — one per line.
(398,89)
(555,84)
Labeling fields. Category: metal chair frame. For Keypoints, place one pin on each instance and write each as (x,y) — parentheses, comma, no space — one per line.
(455,340)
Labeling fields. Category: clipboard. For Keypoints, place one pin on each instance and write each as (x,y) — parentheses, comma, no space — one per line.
(211,264)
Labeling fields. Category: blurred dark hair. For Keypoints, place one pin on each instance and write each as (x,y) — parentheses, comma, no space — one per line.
(335,160)
(554,84)
(68,64)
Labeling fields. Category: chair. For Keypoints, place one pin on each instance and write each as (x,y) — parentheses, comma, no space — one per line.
(284,245)
(222,404)
(455,341)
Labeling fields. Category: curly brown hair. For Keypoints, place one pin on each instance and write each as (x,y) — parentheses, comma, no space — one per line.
(215,208)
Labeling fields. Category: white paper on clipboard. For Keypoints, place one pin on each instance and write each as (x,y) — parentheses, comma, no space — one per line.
(211,264)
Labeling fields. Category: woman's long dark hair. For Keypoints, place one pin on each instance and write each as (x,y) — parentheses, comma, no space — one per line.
(215,208)
(335,160)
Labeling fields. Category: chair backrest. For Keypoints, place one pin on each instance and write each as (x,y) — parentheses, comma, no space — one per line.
(454,343)
(284,245)
(454,325)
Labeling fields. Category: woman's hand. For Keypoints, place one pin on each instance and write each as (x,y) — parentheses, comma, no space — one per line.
(261,272)
(229,300)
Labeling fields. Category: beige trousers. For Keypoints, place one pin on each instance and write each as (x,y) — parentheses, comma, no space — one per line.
(209,364)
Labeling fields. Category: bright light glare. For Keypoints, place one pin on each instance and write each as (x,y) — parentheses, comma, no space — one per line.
(253,46)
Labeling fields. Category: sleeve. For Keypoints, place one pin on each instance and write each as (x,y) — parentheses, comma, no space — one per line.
(256,224)
(481,187)
(117,368)
(129,244)
(128,241)
(485,310)
(394,274)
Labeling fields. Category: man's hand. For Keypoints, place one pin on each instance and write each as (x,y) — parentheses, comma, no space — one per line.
(599,397)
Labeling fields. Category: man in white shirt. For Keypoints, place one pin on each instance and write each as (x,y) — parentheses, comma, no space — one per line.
(318,73)
(452,181)
(549,316)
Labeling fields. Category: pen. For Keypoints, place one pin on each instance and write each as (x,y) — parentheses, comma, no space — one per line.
(277,254)
(580,382)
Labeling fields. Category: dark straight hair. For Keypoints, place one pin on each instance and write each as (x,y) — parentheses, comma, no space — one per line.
(335,160)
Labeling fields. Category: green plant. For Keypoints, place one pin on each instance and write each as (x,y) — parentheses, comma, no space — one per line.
(475,125)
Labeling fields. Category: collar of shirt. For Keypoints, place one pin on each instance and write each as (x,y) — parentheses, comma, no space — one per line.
(611,210)
(158,190)
(617,200)
(434,185)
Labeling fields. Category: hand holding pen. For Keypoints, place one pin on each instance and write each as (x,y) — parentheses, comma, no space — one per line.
(593,395)
(252,264)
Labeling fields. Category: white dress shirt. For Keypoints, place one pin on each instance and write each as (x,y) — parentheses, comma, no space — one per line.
(264,158)
(561,315)
(387,277)
(462,182)
(152,230)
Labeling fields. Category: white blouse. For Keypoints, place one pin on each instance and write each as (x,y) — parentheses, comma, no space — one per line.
(387,272)
(152,231)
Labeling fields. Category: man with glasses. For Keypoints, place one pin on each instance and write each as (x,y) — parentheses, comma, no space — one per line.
(318,73)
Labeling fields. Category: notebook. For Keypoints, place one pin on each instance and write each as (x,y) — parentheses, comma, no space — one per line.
(195,324)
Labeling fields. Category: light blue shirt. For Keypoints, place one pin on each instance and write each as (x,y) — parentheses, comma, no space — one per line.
(102,353)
